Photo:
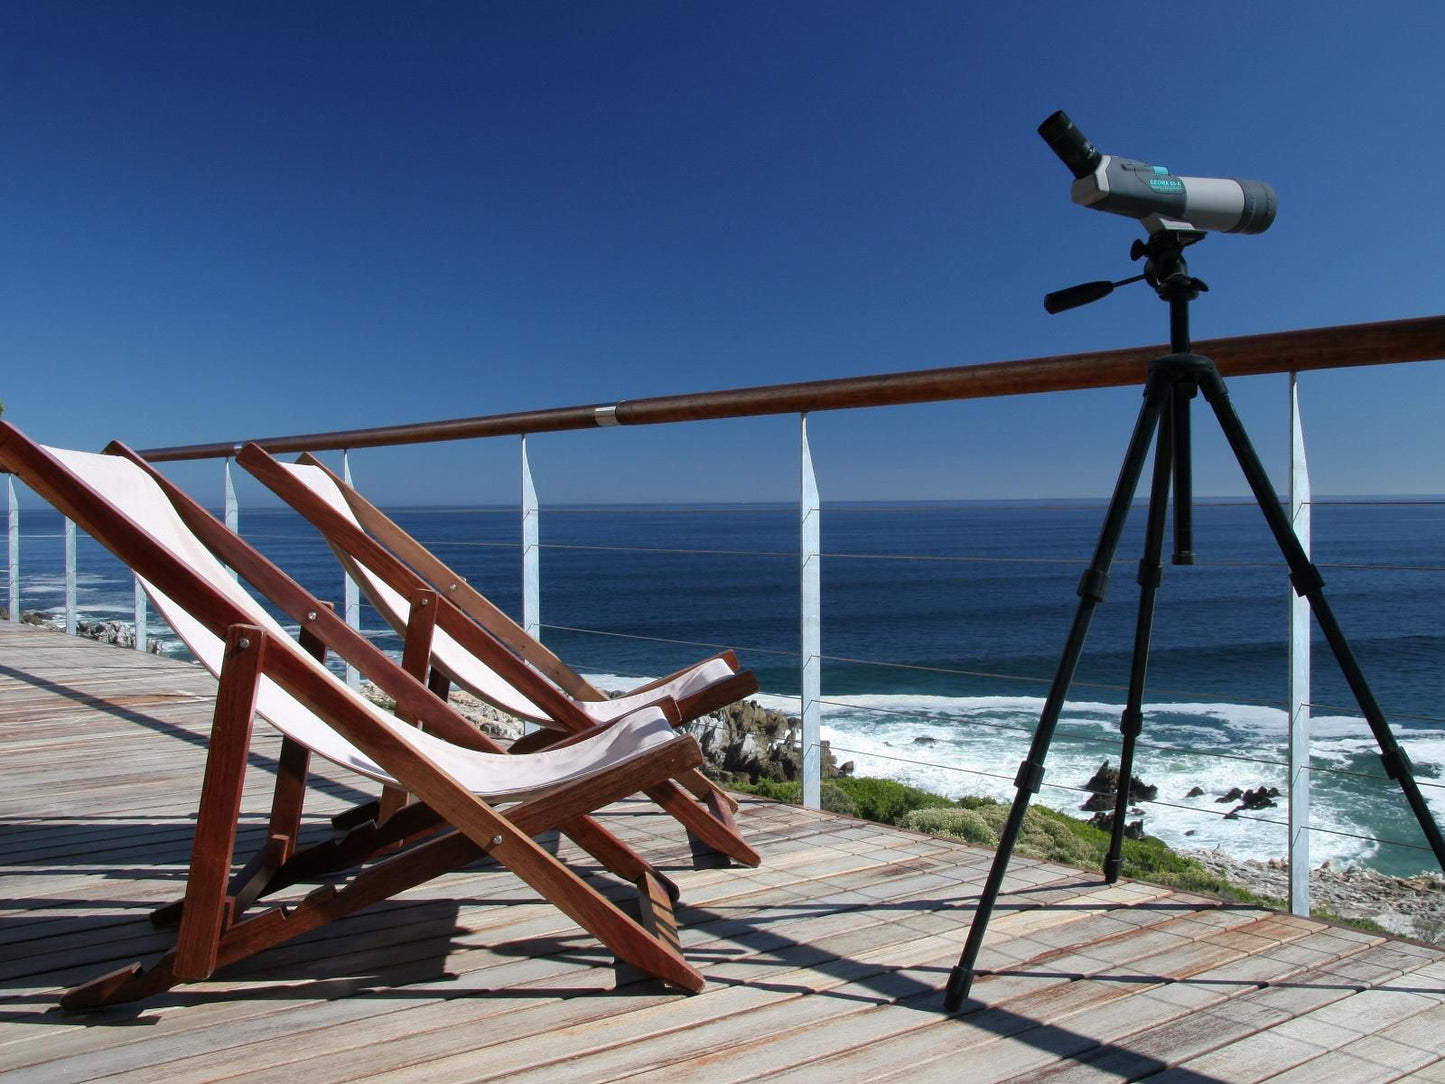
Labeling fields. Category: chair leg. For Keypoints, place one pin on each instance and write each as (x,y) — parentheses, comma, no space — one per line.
(289,796)
(655,902)
(391,802)
(625,937)
(285,827)
(415,655)
(127,984)
(207,909)
(707,824)
(615,855)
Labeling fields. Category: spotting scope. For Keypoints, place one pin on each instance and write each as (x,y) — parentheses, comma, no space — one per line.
(1152,194)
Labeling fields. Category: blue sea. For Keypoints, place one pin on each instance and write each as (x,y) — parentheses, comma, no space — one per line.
(942,627)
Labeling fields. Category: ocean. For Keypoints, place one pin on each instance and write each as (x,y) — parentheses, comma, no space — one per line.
(942,625)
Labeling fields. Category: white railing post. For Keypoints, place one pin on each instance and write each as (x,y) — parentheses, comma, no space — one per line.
(140,616)
(70,577)
(350,593)
(232,509)
(531,555)
(810,655)
(1299,673)
(14,532)
(531,560)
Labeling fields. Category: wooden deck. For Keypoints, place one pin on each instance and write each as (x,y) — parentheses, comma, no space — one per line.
(825,964)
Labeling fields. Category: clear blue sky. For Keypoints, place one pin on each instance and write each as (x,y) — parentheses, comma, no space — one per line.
(233,220)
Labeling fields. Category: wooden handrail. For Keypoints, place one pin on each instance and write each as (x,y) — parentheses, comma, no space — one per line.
(1421,339)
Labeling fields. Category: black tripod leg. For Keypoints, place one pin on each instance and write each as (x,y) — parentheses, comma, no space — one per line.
(1183,475)
(1151,571)
(1309,584)
(1091,592)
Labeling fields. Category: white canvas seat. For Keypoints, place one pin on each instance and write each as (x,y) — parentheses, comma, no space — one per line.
(468,670)
(494,775)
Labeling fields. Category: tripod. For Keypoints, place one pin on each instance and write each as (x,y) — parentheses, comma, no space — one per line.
(1173,381)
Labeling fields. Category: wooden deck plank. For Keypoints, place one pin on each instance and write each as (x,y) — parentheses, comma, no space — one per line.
(920,1043)
(849,1038)
(850,940)
(824,963)
(1252,1015)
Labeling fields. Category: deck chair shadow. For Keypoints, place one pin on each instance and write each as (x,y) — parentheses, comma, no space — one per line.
(459,777)
(474,644)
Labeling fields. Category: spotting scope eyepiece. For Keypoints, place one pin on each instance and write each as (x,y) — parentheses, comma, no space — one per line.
(1070,144)
(1152,194)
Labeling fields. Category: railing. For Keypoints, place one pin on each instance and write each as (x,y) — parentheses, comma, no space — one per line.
(1292,352)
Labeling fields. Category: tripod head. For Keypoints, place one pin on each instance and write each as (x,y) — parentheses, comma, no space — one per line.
(1164,269)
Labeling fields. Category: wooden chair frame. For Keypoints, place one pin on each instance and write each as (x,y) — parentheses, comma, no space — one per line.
(471,619)
(446,829)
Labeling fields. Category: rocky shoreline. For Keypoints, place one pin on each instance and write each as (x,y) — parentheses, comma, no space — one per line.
(120,633)
(1406,906)
(747,743)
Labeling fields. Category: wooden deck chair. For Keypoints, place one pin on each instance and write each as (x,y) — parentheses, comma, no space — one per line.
(478,647)
(457,774)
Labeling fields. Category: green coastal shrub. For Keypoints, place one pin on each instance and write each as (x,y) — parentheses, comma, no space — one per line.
(834,799)
(881,800)
(1057,837)
(885,800)
(791,793)
(1041,836)
(966,825)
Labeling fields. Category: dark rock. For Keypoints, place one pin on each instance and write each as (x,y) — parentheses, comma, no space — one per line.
(1097,802)
(1259,798)
(749,743)
(1106,781)
(924,739)
(1105,822)
(1195,792)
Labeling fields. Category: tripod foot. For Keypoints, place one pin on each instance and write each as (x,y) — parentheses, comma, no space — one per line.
(960,981)
(1112,868)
